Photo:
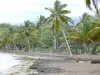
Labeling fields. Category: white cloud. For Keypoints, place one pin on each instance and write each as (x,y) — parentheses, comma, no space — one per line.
(20,10)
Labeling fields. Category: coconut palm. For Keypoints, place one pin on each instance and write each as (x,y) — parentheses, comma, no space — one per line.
(40,21)
(87,32)
(41,25)
(25,32)
(80,34)
(58,18)
(4,33)
(95,4)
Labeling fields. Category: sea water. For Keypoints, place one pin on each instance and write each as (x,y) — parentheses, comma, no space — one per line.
(6,62)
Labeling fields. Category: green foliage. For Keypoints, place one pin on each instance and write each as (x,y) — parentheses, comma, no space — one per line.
(57,16)
(87,32)
(95,4)
(81,33)
(32,35)
(98,48)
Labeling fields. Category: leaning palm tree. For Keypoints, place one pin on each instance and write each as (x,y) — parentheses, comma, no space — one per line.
(58,18)
(95,4)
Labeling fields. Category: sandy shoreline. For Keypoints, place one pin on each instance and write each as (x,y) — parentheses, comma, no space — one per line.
(71,67)
(22,68)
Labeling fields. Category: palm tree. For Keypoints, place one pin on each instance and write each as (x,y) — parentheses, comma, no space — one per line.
(40,25)
(87,32)
(40,21)
(58,18)
(26,31)
(4,33)
(95,4)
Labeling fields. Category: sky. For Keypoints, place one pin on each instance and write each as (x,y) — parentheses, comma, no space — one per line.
(16,11)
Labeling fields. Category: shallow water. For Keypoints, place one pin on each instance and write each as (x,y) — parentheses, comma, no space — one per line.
(7,61)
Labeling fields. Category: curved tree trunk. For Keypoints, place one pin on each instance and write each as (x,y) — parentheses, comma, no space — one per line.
(17,49)
(70,52)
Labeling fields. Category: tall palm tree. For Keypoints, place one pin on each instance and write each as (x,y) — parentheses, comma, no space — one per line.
(95,4)
(58,18)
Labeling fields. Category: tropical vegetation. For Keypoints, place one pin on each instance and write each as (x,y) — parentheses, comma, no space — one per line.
(55,32)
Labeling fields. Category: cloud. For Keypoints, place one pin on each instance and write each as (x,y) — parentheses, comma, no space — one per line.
(20,10)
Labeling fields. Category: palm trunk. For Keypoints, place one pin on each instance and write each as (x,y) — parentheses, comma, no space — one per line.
(87,47)
(28,45)
(16,46)
(54,42)
(94,49)
(41,34)
(54,38)
(80,51)
(67,43)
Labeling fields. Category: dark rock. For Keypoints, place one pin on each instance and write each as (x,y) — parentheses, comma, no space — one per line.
(95,62)
(43,66)
(35,66)
(50,70)
(38,64)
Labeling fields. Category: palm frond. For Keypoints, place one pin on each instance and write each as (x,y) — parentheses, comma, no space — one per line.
(53,25)
(62,12)
(62,19)
(88,4)
(57,25)
(94,32)
(70,20)
(94,35)
(56,5)
(62,6)
(50,9)
(96,23)
(95,4)
(76,36)
(49,19)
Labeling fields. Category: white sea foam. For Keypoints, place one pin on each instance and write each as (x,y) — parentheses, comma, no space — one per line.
(7,61)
